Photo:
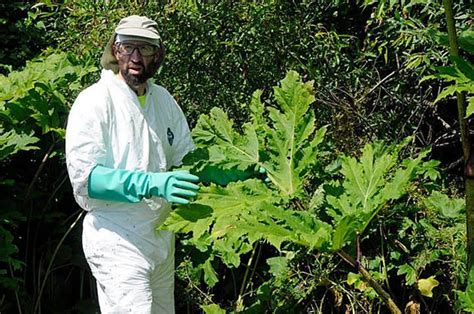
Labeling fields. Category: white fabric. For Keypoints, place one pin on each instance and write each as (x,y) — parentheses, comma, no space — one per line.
(122,38)
(107,126)
(129,280)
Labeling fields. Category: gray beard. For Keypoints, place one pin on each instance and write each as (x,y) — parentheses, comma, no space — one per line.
(148,72)
(134,80)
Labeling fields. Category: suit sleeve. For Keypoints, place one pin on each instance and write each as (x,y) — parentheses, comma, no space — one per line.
(183,142)
(86,138)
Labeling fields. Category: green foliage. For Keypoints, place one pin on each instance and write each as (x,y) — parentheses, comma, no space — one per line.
(232,218)
(41,91)
(7,254)
(21,40)
(287,143)
(226,221)
(442,204)
(212,309)
(11,143)
(365,61)
(358,283)
(34,103)
(219,52)
(467,297)
(461,75)
(410,37)
(369,185)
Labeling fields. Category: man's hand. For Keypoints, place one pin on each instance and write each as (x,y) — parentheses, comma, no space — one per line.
(175,186)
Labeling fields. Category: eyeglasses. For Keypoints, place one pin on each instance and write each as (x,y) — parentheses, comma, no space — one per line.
(144,50)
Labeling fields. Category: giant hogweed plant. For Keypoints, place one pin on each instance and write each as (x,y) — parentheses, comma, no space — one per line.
(33,108)
(227,221)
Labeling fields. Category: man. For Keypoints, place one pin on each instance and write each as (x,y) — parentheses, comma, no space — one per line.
(124,134)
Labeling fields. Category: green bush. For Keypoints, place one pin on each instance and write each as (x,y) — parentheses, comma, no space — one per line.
(34,103)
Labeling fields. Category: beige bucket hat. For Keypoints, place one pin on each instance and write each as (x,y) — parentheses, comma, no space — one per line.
(136,26)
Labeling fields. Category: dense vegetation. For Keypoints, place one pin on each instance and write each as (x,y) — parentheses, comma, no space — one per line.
(349,105)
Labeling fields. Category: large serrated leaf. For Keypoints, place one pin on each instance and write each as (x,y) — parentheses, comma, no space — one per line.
(280,138)
(221,212)
(278,225)
(291,132)
(11,142)
(370,182)
(228,148)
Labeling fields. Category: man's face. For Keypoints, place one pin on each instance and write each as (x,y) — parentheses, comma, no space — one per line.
(137,61)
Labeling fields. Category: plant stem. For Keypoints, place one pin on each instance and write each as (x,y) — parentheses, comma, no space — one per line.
(17,299)
(40,168)
(209,299)
(374,284)
(53,257)
(30,211)
(454,51)
(466,143)
(244,281)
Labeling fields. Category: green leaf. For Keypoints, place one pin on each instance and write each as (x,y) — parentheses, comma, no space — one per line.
(426,286)
(278,225)
(258,113)
(409,272)
(282,139)
(466,41)
(368,184)
(212,309)
(441,203)
(220,212)
(356,281)
(470,107)
(447,91)
(464,66)
(344,232)
(11,143)
(466,297)
(352,278)
(461,75)
(230,149)
(278,265)
(292,126)
(317,199)
(210,276)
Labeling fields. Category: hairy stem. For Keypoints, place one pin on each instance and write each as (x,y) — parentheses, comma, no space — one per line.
(466,143)
(374,284)
(208,298)
(243,287)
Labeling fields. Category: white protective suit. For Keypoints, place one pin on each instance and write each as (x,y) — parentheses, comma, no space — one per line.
(131,261)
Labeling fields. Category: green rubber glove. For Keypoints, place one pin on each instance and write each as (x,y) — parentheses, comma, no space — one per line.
(132,186)
(223,177)
(174,186)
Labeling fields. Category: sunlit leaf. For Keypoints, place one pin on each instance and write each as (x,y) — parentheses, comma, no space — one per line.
(212,309)
(426,286)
